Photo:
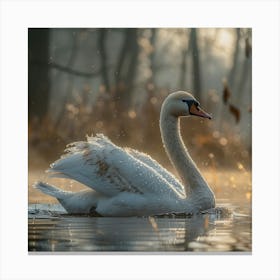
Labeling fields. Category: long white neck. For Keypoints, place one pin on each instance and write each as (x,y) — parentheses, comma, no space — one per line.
(190,175)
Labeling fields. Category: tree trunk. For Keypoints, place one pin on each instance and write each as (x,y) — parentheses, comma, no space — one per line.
(70,82)
(183,68)
(133,60)
(152,54)
(126,68)
(196,65)
(233,71)
(122,56)
(38,75)
(244,77)
(103,57)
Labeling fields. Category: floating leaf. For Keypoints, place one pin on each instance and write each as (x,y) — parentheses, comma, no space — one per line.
(235,112)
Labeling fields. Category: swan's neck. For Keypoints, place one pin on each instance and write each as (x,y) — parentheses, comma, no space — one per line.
(190,175)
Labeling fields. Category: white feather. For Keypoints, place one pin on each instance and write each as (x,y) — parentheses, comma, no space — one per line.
(109,170)
(73,202)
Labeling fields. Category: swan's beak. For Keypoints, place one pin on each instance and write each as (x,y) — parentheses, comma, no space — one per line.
(197,111)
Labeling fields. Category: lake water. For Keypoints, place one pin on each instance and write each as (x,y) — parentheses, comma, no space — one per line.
(228,228)
(224,229)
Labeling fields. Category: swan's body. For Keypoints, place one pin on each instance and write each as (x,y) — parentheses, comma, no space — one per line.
(126,182)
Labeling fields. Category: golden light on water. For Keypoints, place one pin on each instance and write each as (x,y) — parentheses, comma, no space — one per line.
(153,223)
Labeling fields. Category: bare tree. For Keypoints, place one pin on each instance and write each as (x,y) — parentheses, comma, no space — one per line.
(152,54)
(196,77)
(246,70)
(121,58)
(126,67)
(233,72)
(133,59)
(38,77)
(70,81)
(184,65)
(103,57)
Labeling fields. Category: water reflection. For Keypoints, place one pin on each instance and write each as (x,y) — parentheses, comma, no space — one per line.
(199,233)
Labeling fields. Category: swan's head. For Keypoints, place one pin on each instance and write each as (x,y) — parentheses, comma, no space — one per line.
(182,104)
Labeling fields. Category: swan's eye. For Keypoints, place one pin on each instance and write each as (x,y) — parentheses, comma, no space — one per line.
(191,102)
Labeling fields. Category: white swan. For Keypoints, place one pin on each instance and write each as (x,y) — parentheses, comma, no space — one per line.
(126,182)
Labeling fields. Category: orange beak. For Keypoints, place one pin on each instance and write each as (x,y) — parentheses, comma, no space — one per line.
(197,111)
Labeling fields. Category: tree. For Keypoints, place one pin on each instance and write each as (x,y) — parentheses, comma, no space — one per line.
(103,56)
(246,71)
(184,65)
(233,72)
(133,58)
(196,77)
(152,53)
(38,76)
(126,67)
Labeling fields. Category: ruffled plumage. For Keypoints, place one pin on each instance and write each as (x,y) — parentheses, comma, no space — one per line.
(126,182)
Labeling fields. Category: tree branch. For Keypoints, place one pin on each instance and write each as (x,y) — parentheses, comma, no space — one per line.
(67,69)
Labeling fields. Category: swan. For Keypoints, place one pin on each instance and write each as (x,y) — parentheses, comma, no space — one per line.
(126,182)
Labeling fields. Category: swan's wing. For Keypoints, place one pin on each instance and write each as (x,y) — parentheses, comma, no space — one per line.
(169,177)
(108,169)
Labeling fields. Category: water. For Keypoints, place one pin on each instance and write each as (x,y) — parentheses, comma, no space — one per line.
(227,229)
(224,229)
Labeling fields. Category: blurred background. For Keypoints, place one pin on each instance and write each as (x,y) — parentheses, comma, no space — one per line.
(113,81)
